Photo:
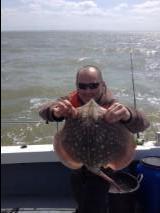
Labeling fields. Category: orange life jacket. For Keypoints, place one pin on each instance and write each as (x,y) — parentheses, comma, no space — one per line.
(73,98)
(76,102)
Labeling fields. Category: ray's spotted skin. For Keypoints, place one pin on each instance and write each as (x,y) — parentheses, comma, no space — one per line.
(87,139)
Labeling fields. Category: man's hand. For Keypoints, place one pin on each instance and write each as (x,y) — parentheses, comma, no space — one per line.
(64,109)
(117,112)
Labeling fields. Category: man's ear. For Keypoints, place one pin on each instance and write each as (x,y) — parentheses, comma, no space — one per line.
(104,85)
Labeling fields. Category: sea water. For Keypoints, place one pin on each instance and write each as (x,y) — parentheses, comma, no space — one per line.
(38,67)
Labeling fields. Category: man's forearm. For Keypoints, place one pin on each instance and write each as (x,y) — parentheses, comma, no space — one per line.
(138,121)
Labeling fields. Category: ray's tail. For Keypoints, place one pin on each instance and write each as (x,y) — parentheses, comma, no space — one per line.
(100,173)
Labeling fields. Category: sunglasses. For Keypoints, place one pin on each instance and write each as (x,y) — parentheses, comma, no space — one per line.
(90,85)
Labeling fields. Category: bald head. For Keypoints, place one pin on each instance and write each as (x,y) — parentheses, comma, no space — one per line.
(89,71)
(90,84)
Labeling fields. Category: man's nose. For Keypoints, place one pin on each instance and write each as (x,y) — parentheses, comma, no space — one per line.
(88,90)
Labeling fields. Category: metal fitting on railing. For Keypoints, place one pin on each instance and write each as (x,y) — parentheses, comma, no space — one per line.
(157,139)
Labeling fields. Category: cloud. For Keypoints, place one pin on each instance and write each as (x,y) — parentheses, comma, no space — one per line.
(74,14)
(90,8)
(60,6)
(147,8)
(121,6)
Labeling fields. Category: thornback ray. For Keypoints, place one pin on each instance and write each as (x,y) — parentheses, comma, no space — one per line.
(87,139)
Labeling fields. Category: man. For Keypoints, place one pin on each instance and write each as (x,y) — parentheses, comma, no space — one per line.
(90,190)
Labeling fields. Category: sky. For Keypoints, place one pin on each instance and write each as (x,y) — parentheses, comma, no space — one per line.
(110,15)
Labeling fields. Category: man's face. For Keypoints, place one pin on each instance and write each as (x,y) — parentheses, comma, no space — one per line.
(89,85)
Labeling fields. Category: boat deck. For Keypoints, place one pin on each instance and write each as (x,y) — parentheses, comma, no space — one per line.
(36,204)
(38,210)
(41,204)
